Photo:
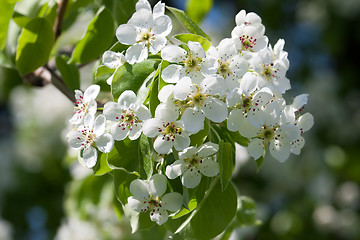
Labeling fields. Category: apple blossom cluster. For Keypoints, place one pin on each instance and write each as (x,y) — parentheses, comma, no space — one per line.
(238,84)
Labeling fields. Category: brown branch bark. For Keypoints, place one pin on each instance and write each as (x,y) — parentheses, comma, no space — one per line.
(60,15)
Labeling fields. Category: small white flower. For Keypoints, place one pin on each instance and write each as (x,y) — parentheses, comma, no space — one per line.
(159,8)
(90,135)
(194,162)
(198,101)
(144,33)
(148,197)
(250,19)
(190,63)
(113,60)
(128,116)
(168,132)
(85,104)
(248,39)
(246,103)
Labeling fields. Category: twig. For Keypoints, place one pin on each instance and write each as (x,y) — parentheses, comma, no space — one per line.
(60,15)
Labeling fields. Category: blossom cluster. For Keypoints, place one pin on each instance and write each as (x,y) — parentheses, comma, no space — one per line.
(238,84)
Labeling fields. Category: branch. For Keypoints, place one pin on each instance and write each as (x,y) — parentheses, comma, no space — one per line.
(60,15)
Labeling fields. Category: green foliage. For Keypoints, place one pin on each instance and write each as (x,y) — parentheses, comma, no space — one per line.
(132,77)
(197,10)
(125,154)
(186,21)
(246,214)
(226,159)
(98,38)
(69,72)
(7,8)
(34,45)
(205,43)
(121,9)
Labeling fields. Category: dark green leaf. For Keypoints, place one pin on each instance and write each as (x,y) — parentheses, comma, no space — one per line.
(125,154)
(186,21)
(205,43)
(146,154)
(48,11)
(132,77)
(122,180)
(197,10)
(121,9)
(7,8)
(102,167)
(246,214)
(198,138)
(226,159)
(20,19)
(34,45)
(69,72)
(97,39)
(102,73)
(259,162)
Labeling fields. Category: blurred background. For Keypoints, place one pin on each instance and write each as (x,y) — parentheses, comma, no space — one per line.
(45,194)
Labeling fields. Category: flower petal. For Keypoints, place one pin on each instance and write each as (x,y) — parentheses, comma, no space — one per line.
(157,185)
(173,53)
(160,216)
(191,178)
(157,44)
(112,59)
(280,150)
(176,169)
(126,34)
(172,201)
(162,145)
(196,49)
(119,132)
(305,122)
(215,109)
(127,98)
(172,73)
(90,157)
(99,125)
(163,25)
(151,127)
(136,53)
(139,189)
(91,92)
(136,204)
(142,18)
(256,148)
(104,142)
(181,142)
(209,167)
(75,139)
(207,149)
(235,119)
(183,88)
(135,132)
(111,110)
(193,120)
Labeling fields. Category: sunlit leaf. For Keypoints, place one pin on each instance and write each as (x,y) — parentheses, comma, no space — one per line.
(7,8)
(69,72)
(205,43)
(197,10)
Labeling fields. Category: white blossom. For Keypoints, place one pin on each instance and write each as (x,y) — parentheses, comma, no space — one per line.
(194,162)
(85,104)
(144,33)
(90,136)
(128,116)
(248,39)
(113,60)
(168,132)
(148,196)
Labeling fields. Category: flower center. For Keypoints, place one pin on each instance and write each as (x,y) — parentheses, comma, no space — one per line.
(81,106)
(128,119)
(268,71)
(224,69)
(146,36)
(268,133)
(196,99)
(152,205)
(247,42)
(170,131)
(192,64)
(89,137)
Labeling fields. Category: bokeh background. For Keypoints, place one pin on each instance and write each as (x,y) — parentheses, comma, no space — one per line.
(45,195)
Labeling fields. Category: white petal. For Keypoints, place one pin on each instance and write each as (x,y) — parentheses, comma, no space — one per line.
(187,153)
(126,34)
(92,107)
(160,216)
(159,9)
(104,142)
(99,125)
(90,157)
(151,127)
(119,132)
(166,113)
(142,113)
(207,149)
(162,145)
(256,148)
(172,201)
(215,110)
(127,98)
(91,92)
(226,48)
(193,120)
(247,130)
(111,111)
(240,17)
(234,97)
(89,120)
(142,18)
(143,4)
(191,179)
(112,59)
(173,53)
(213,85)
(139,189)
(75,139)
(77,117)
(135,132)
(248,83)
(196,49)
(235,120)
(176,169)
(181,142)
(305,122)
(172,73)
(300,101)
(157,185)
(280,150)
(297,145)
(165,93)
(136,205)
(256,117)
(136,53)
(183,88)
(109,80)
(209,167)
(163,25)
(157,44)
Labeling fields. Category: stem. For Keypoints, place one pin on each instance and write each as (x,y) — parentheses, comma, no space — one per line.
(57,81)
(60,15)
(214,131)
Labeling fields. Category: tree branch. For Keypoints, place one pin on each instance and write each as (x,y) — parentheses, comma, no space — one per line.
(60,15)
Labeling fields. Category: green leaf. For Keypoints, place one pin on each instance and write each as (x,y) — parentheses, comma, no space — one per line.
(34,45)
(212,215)
(69,72)
(125,154)
(237,137)
(226,159)
(146,154)
(197,10)
(102,167)
(246,214)
(7,8)
(48,11)
(132,77)
(122,180)
(102,73)
(20,19)
(186,21)
(198,138)
(97,39)
(259,162)
(205,43)
(121,9)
